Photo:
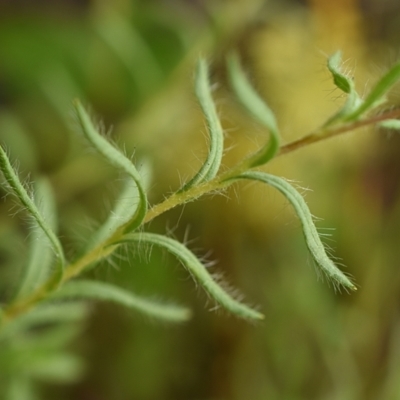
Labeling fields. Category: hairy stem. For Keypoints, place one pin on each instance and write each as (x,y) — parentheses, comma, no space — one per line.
(326,133)
(105,248)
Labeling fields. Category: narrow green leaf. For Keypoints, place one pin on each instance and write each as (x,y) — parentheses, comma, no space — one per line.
(58,367)
(106,292)
(377,95)
(40,257)
(390,124)
(340,79)
(18,355)
(256,107)
(116,158)
(124,210)
(312,238)
(197,270)
(213,161)
(44,314)
(22,195)
(50,339)
(344,83)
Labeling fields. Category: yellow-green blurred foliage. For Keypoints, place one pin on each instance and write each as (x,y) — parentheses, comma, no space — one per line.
(132,62)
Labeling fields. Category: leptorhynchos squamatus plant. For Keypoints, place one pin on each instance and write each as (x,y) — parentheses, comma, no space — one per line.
(50,299)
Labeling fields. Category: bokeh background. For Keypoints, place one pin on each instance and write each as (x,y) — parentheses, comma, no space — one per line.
(132,62)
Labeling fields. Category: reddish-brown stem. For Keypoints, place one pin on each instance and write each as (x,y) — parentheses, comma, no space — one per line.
(326,133)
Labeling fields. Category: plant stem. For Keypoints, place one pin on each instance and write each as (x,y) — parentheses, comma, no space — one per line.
(326,133)
(219,183)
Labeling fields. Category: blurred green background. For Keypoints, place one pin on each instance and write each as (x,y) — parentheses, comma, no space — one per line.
(132,62)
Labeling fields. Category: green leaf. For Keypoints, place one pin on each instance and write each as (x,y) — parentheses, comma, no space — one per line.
(58,367)
(40,255)
(257,108)
(116,158)
(197,270)
(340,79)
(311,235)
(18,189)
(377,95)
(52,338)
(390,124)
(212,164)
(124,210)
(22,353)
(344,83)
(44,314)
(106,292)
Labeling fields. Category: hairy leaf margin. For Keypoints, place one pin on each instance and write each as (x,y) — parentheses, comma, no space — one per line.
(116,158)
(310,232)
(25,199)
(87,289)
(211,165)
(256,107)
(197,270)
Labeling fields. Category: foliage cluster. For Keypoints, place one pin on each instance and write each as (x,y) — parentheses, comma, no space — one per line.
(43,314)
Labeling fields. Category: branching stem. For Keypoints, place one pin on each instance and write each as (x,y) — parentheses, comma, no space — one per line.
(219,183)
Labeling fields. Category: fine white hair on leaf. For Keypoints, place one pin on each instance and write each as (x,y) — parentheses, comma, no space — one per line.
(198,271)
(310,232)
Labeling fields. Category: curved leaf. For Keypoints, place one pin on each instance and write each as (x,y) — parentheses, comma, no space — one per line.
(346,84)
(213,161)
(340,79)
(40,256)
(116,158)
(44,314)
(197,270)
(124,210)
(106,292)
(256,107)
(377,95)
(23,196)
(313,240)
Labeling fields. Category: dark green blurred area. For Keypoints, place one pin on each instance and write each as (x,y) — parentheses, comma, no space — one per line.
(132,62)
